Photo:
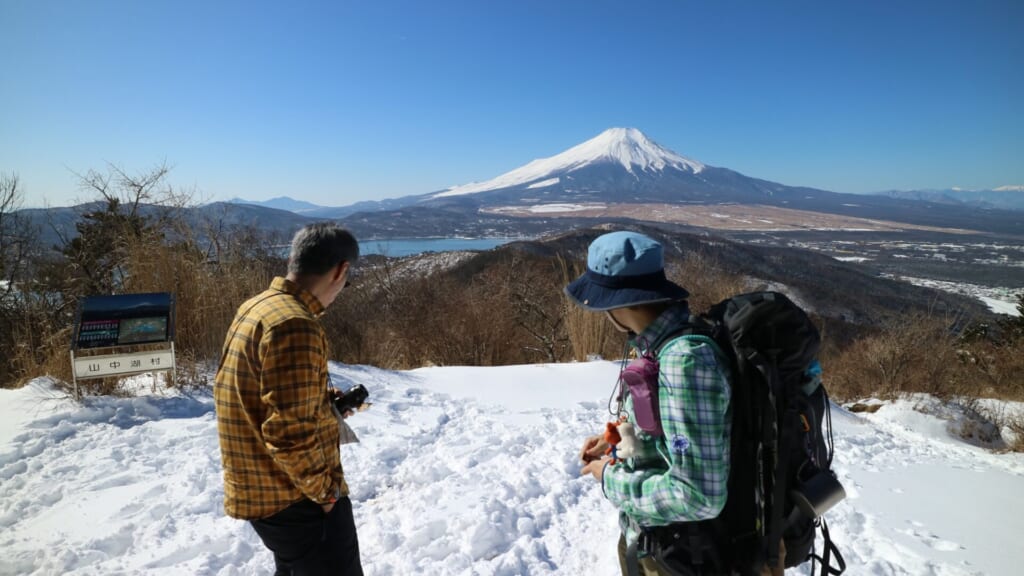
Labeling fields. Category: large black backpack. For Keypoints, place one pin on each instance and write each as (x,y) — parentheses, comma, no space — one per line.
(780,479)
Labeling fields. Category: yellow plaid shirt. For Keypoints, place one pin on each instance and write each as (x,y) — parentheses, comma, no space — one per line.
(279,438)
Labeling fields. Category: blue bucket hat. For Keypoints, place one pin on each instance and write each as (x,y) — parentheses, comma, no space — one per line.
(624,269)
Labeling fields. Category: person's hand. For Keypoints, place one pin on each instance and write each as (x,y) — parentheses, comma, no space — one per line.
(327,507)
(335,394)
(594,448)
(596,468)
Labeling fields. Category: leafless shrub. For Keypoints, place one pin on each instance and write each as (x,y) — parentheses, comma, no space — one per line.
(993,368)
(408,322)
(706,280)
(977,424)
(39,349)
(535,308)
(1016,426)
(913,354)
(207,293)
(589,333)
(25,318)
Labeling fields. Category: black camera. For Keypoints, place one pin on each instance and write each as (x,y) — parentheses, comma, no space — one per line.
(351,399)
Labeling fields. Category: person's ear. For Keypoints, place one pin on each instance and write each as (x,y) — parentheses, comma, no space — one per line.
(340,271)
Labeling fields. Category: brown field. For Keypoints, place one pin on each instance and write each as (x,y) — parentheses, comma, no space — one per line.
(721,217)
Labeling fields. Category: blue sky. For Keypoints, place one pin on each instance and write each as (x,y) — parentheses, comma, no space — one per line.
(335,102)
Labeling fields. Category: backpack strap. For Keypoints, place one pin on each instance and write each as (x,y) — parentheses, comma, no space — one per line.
(632,559)
(695,330)
(702,339)
(827,552)
(776,524)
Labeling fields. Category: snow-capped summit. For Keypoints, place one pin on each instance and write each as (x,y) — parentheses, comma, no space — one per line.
(631,148)
(619,165)
(625,147)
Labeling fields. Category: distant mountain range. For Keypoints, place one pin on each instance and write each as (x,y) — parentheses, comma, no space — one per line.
(1003,197)
(622,166)
(281,203)
(53,225)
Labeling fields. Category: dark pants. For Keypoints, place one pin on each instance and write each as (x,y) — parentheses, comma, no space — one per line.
(307,542)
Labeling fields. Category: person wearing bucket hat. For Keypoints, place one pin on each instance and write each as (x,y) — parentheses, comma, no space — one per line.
(675,396)
(624,269)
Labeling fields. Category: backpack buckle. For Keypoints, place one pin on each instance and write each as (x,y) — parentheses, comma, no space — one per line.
(646,542)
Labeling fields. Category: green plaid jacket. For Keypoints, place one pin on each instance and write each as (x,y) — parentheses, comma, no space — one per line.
(279,438)
(681,476)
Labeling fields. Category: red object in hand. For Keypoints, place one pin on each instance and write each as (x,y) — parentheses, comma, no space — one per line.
(612,437)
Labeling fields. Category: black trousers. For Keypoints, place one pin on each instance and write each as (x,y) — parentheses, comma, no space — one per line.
(307,542)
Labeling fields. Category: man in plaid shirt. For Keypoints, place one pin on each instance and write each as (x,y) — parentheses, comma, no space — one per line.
(677,473)
(279,436)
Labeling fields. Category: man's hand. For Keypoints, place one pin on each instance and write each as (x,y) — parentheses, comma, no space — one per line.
(596,468)
(594,448)
(335,394)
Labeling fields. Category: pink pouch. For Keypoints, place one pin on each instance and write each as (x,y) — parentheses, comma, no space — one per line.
(641,377)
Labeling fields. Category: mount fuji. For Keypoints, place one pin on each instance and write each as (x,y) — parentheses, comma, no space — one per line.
(627,148)
(617,165)
(625,173)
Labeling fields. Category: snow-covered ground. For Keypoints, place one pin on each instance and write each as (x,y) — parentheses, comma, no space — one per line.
(852,258)
(555,208)
(468,471)
(998,300)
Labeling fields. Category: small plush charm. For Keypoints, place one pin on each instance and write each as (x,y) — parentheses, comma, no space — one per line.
(622,440)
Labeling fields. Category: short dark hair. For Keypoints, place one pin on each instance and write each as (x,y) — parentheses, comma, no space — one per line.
(317,248)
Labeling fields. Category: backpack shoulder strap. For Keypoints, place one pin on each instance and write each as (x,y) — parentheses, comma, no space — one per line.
(703,339)
(697,337)
(694,328)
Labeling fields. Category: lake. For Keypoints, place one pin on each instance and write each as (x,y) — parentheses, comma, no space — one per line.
(409,246)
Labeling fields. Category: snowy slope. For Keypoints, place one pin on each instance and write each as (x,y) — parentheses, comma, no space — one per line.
(468,471)
(627,147)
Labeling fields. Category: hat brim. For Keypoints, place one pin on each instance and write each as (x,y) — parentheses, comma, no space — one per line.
(593,296)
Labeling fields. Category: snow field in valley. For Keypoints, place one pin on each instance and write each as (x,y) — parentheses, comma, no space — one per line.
(462,471)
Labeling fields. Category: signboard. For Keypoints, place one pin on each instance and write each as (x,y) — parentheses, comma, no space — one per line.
(124,319)
(109,326)
(118,364)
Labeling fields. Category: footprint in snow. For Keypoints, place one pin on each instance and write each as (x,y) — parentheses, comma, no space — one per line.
(931,540)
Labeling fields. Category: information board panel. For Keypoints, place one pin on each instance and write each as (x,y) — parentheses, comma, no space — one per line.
(117,364)
(124,319)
